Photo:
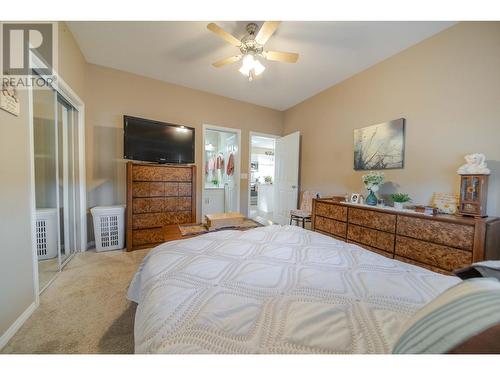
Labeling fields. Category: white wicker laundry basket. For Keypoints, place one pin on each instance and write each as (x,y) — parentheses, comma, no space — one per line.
(109,225)
(46,233)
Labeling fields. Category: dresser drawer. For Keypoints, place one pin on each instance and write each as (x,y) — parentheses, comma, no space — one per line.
(373,219)
(147,173)
(183,203)
(177,174)
(440,256)
(171,189)
(148,236)
(331,226)
(141,221)
(332,211)
(171,204)
(178,217)
(182,189)
(148,189)
(449,234)
(149,205)
(140,189)
(371,237)
(185,189)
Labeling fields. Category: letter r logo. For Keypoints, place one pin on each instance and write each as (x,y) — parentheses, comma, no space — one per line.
(21,39)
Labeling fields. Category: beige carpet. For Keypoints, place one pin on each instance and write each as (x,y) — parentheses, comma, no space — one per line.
(85,309)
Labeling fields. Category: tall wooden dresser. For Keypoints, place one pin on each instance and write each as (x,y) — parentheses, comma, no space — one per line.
(158,196)
(441,243)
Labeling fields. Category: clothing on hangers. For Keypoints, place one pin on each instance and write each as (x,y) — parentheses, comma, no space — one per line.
(210,165)
(230,165)
(219,163)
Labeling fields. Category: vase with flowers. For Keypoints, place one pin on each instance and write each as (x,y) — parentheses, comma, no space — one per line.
(372,182)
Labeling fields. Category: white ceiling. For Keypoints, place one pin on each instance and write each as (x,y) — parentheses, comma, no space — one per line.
(182,53)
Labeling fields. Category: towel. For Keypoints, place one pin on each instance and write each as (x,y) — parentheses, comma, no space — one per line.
(230,165)
(219,163)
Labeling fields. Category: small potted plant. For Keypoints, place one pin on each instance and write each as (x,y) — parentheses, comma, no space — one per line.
(268,179)
(399,199)
(372,181)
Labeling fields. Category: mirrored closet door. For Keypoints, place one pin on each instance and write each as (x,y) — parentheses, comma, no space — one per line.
(55,141)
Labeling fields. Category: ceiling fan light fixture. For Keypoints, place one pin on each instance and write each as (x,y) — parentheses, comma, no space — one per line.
(247,64)
(258,67)
(251,47)
(251,66)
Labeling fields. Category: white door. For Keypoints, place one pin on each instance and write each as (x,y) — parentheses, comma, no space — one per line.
(286,185)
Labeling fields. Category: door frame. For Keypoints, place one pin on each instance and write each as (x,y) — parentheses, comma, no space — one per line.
(62,88)
(252,133)
(237,173)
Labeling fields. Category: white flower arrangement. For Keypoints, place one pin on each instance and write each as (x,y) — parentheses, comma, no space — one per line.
(372,180)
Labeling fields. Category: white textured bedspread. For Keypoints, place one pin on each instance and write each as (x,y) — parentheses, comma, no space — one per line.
(275,289)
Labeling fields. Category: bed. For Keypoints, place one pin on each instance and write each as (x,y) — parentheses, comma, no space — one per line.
(275,289)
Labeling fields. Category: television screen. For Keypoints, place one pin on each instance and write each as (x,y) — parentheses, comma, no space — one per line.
(148,140)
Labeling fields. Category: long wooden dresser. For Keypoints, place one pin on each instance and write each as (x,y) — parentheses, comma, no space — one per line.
(158,196)
(441,243)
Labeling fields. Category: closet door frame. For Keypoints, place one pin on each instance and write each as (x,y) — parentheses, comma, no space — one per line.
(63,89)
(67,196)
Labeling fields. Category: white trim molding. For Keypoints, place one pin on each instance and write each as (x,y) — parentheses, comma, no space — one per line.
(237,173)
(11,331)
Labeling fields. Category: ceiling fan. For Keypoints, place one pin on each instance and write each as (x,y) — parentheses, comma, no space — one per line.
(251,47)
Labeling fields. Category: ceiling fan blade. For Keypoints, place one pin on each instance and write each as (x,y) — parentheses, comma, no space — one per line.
(224,34)
(226,61)
(288,57)
(265,32)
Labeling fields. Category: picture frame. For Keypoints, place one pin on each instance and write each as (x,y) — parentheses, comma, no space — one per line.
(380,146)
(355,197)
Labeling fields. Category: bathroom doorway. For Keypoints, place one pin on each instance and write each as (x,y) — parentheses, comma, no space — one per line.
(261,177)
(221,170)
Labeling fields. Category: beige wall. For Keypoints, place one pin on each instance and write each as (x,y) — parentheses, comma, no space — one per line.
(448,89)
(16,261)
(71,63)
(16,265)
(110,94)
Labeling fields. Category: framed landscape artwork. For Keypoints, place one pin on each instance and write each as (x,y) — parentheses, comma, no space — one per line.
(380,146)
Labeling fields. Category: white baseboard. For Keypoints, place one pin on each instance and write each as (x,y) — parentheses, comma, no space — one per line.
(11,331)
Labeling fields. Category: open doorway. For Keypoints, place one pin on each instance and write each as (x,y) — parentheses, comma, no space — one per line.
(221,174)
(261,177)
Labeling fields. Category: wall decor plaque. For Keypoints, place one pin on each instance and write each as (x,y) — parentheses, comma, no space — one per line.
(9,99)
(445,203)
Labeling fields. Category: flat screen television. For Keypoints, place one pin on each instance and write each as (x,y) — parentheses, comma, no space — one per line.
(155,141)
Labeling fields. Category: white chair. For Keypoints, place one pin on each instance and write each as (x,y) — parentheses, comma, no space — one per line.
(304,213)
